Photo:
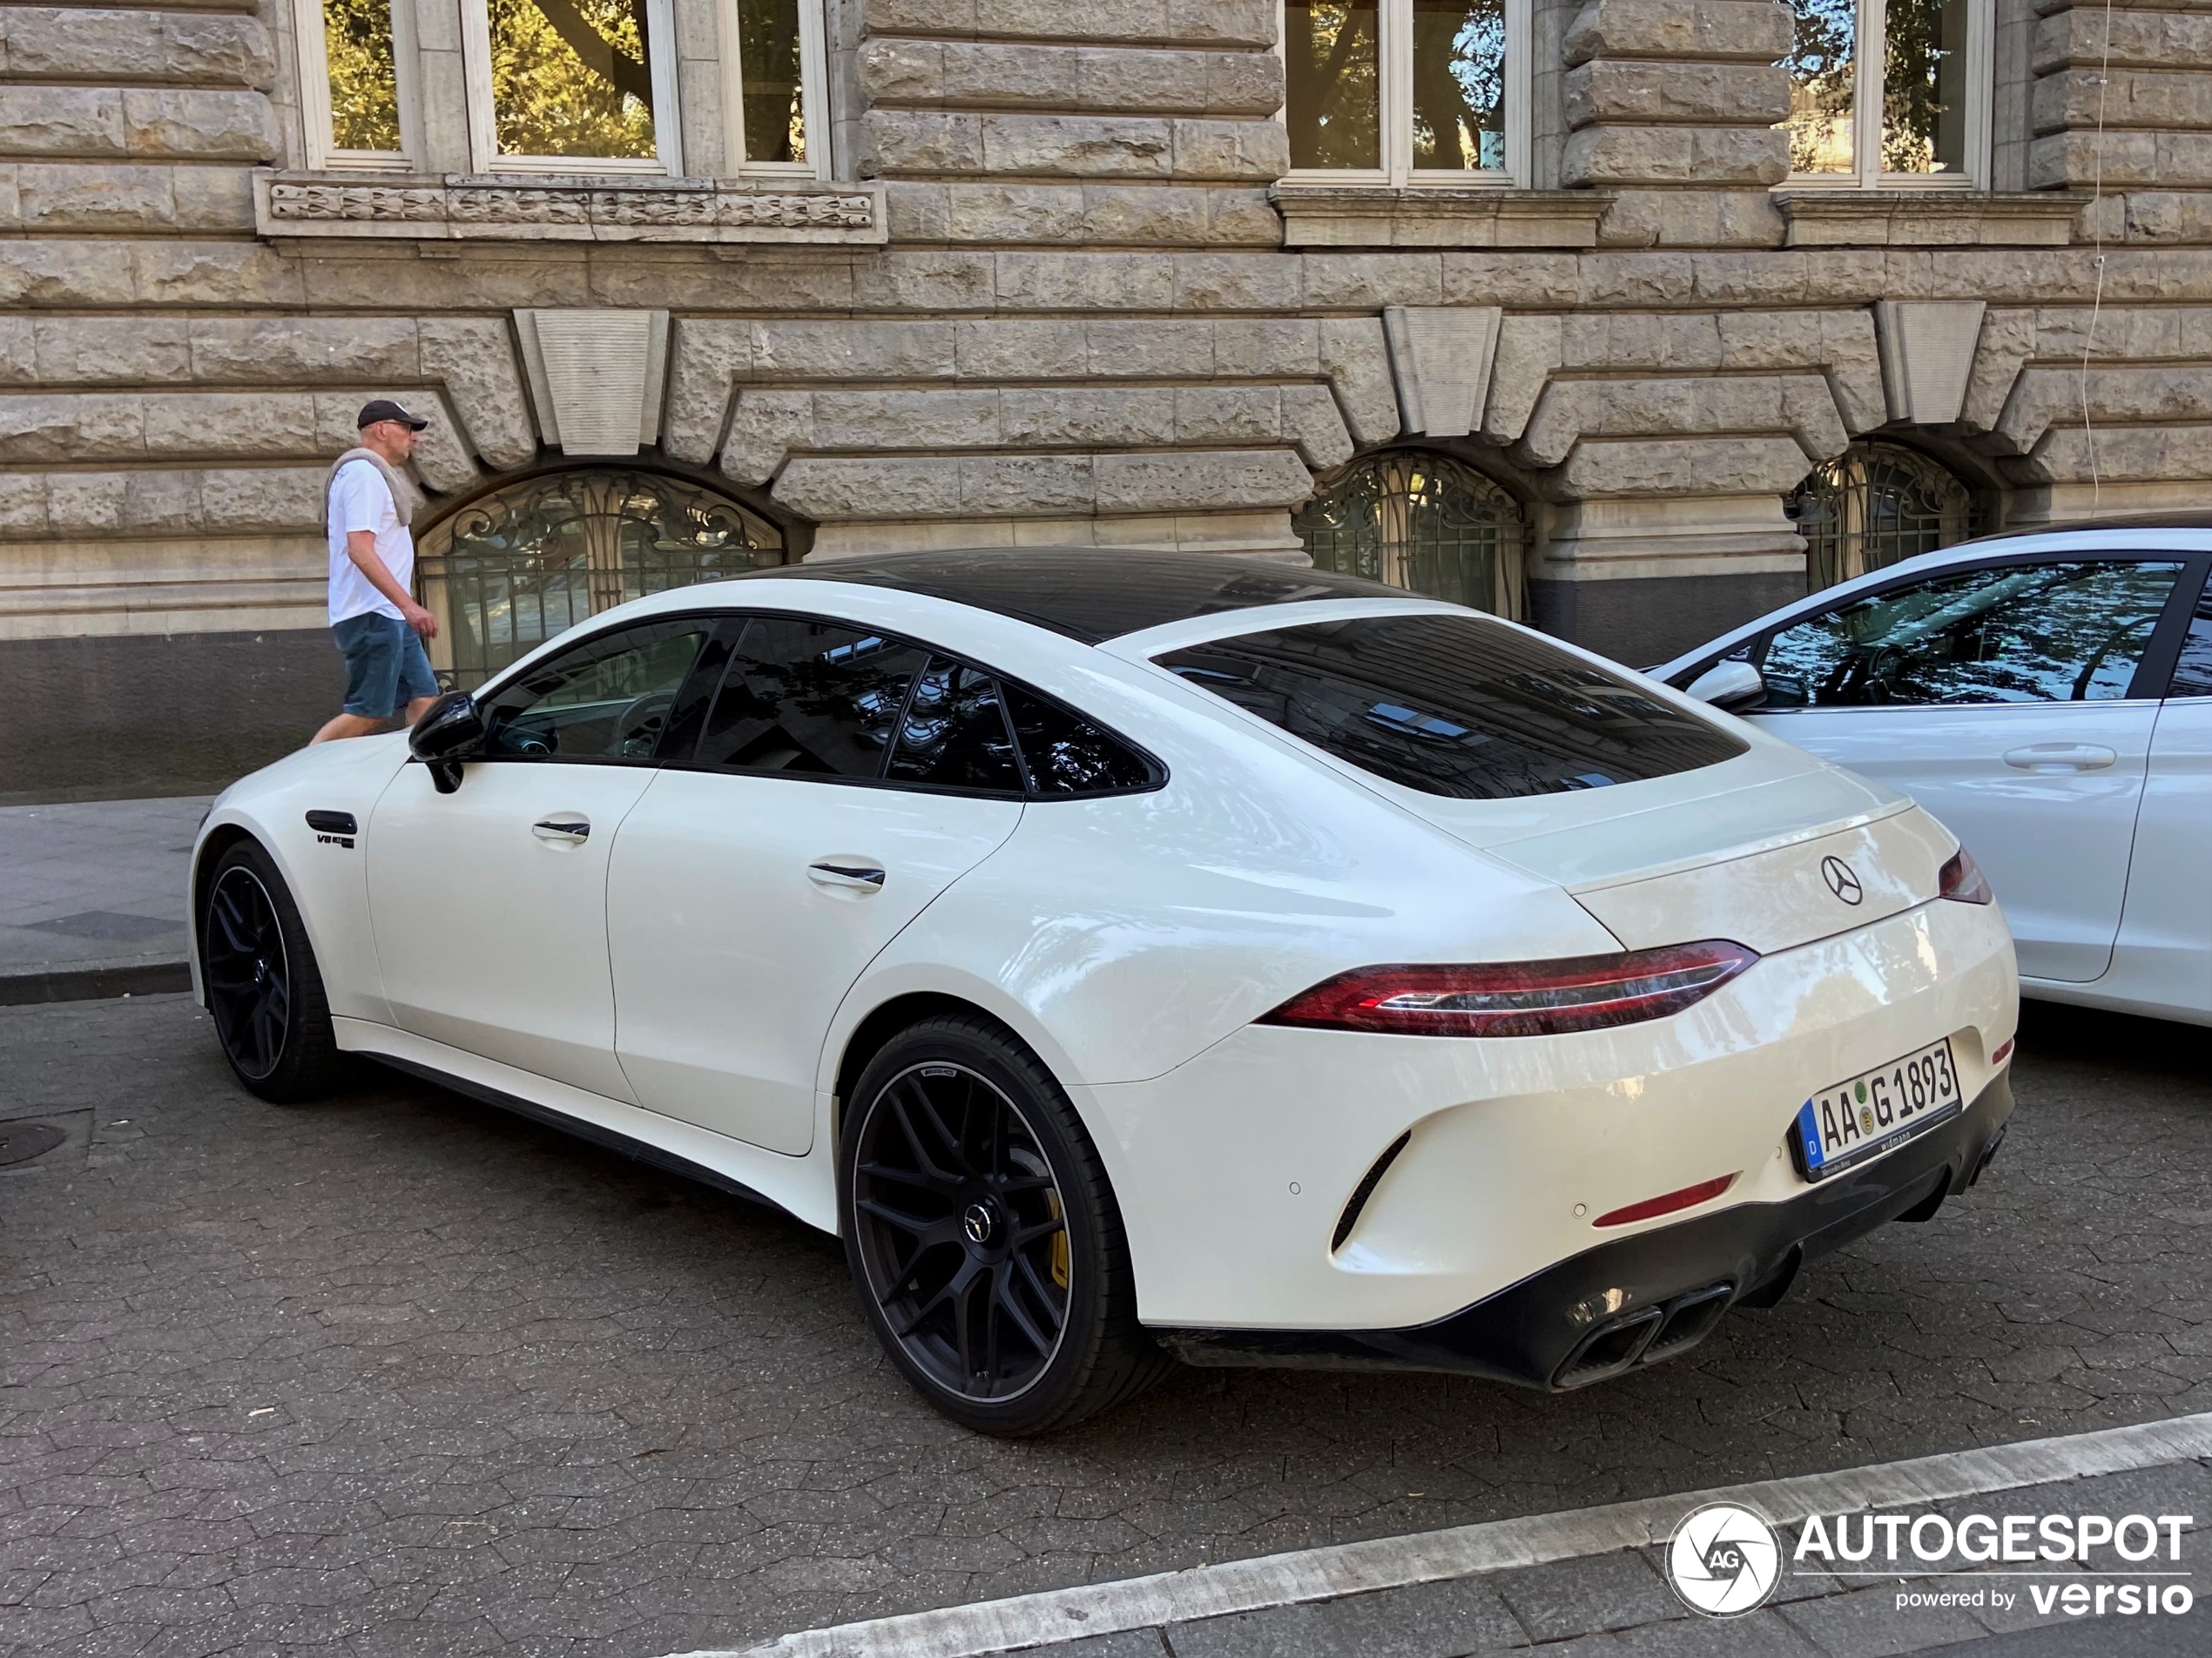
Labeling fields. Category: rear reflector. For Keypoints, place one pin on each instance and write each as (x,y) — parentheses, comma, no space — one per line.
(1687,1198)
(1518,998)
(2003,1052)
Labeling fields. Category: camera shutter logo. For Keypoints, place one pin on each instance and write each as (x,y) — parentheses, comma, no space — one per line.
(1841,880)
(1724,1560)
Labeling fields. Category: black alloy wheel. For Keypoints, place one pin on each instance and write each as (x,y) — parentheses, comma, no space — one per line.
(983,1236)
(263,989)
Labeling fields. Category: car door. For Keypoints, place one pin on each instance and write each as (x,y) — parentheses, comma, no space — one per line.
(2003,697)
(2167,936)
(843,778)
(489,903)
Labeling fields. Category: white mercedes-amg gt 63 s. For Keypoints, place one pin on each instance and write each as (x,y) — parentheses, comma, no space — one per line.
(1134,956)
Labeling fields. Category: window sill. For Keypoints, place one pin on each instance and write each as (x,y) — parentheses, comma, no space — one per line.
(1371,215)
(569,207)
(1826,217)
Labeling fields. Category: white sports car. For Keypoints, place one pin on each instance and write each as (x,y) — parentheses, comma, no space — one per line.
(2048,695)
(1138,955)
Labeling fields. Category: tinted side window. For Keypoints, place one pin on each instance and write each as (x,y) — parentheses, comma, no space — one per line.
(608,698)
(953,735)
(1454,706)
(1066,754)
(811,698)
(2070,632)
(2193,672)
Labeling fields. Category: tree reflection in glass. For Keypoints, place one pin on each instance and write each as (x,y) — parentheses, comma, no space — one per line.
(1333,86)
(775,115)
(364,87)
(1460,84)
(1924,86)
(1823,82)
(572,78)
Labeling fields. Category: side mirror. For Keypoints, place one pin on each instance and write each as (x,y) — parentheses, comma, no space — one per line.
(1727,684)
(453,730)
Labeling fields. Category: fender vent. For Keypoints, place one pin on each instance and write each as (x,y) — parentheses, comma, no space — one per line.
(1366,1190)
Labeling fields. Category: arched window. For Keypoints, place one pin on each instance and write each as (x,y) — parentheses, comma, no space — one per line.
(512,569)
(1422,522)
(1874,504)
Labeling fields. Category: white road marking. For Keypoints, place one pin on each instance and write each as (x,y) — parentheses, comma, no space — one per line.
(1026,1621)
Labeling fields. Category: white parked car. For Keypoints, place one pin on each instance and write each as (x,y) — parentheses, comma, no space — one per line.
(1133,956)
(2048,697)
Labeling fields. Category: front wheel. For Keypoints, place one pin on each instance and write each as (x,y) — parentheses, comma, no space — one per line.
(983,1236)
(264,990)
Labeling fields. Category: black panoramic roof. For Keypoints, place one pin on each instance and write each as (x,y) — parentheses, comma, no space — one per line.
(2199,520)
(1089,593)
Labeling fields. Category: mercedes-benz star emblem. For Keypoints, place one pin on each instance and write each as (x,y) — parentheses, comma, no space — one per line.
(1841,881)
(976,1222)
(1724,1559)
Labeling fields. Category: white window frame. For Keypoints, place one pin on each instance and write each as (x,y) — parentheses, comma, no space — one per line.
(814,72)
(323,153)
(483,133)
(1395,20)
(1866,109)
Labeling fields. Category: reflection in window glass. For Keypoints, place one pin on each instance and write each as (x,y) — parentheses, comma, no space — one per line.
(809,698)
(608,700)
(768,49)
(364,88)
(954,734)
(2193,671)
(2060,633)
(1460,84)
(1924,86)
(1331,60)
(1069,755)
(1824,82)
(572,78)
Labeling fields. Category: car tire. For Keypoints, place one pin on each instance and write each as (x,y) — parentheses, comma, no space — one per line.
(263,989)
(983,1236)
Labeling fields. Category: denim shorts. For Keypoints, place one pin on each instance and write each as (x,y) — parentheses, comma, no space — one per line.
(386,667)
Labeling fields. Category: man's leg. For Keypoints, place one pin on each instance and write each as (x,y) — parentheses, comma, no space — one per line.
(416,681)
(372,662)
(346,726)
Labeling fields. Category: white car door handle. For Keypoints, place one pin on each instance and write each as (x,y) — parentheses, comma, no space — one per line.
(846,873)
(2061,757)
(565,829)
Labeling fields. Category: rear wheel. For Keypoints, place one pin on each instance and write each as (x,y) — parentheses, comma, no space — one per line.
(264,991)
(983,1235)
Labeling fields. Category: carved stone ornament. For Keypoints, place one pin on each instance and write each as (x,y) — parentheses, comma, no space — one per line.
(564,208)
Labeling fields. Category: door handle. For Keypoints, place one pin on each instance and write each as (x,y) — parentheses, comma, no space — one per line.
(2061,757)
(846,874)
(564,830)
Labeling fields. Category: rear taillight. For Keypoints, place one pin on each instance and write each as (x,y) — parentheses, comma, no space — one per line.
(1962,880)
(1519,998)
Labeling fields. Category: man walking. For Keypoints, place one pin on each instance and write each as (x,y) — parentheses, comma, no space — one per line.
(374,616)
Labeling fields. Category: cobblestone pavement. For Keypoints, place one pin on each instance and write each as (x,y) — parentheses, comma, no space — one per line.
(398,1373)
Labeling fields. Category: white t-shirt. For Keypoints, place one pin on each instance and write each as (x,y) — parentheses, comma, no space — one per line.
(360,499)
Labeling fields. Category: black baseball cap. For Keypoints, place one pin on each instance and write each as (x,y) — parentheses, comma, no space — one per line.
(383,409)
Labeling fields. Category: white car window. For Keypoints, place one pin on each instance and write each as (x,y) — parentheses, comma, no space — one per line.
(809,698)
(2193,671)
(2012,633)
(607,699)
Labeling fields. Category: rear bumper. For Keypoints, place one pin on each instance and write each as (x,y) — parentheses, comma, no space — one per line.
(1648,1296)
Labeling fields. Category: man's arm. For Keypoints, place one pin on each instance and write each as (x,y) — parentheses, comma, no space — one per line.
(361,547)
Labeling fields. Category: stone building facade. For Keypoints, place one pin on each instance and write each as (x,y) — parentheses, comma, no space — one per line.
(1592,311)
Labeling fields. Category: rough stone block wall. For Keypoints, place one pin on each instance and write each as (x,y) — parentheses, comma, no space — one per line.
(2121,103)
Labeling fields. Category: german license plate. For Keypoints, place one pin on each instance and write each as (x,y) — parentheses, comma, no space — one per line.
(1866,1116)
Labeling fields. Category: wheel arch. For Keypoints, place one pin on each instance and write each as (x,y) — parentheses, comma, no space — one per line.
(218,839)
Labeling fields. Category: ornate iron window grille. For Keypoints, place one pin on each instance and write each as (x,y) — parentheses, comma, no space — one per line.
(1424,522)
(1874,504)
(514,568)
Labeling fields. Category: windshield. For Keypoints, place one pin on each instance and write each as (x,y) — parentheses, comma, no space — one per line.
(1454,705)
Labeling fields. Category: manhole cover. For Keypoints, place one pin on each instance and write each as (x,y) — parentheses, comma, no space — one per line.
(21,1142)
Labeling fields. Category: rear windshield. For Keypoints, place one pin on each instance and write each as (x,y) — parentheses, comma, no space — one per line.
(1453,705)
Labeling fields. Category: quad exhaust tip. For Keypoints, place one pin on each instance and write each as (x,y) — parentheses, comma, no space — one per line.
(1645,1336)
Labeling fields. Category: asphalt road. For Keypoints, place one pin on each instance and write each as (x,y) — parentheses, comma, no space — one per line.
(398,1373)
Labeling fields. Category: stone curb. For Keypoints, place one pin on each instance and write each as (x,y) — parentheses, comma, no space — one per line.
(1029,1620)
(94,984)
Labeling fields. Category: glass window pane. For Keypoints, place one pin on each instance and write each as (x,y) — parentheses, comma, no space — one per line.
(2193,672)
(1069,755)
(572,78)
(1420,521)
(1824,82)
(2018,633)
(1453,705)
(609,698)
(1460,84)
(1924,87)
(954,734)
(364,89)
(811,698)
(775,113)
(1332,55)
